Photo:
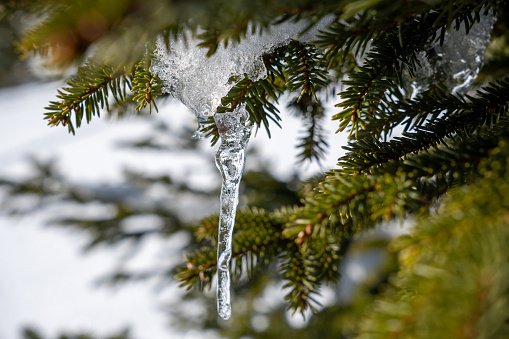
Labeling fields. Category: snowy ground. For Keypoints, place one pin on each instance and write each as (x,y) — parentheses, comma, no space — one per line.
(46,280)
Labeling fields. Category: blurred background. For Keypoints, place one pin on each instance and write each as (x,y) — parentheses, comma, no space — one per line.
(92,226)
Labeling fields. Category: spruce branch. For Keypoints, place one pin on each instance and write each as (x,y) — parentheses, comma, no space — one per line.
(146,85)
(467,116)
(300,270)
(258,97)
(348,203)
(342,39)
(369,88)
(307,75)
(256,243)
(305,267)
(366,93)
(457,257)
(305,69)
(361,23)
(201,267)
(451,164)
(88,92)
(311,111)
(486,107)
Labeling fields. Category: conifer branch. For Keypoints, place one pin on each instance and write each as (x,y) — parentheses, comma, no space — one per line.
(369,89)
(256,243)
(300,270)
(341,39)
(305,266)
(348,203)
(88,91)
(487,106)
(452,258)
(311,111)
(146,85)
(306,72)
(258,97)
(460,115)
(201,267)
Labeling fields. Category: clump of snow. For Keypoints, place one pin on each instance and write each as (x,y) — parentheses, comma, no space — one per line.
(200,82)
(458,61)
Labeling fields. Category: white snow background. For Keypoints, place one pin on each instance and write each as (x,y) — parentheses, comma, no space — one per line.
(46,280)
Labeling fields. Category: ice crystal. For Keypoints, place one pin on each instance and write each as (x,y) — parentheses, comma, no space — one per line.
(458,61)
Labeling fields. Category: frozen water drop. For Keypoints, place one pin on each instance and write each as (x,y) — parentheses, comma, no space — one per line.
(198,134)
(235,131)
(457,62)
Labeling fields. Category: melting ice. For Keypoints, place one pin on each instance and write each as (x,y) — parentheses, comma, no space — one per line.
(458,61)
(234,129)
(200,83)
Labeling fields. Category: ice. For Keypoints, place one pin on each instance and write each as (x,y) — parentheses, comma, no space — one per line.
(200,82)
(198,134)
(234,129)
(458,61)
(197,81)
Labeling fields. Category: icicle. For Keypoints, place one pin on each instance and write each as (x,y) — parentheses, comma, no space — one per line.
(230,158)
(200,82)
(458,61)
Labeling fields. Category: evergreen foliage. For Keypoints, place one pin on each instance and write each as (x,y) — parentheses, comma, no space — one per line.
(32,333)
(447,170)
